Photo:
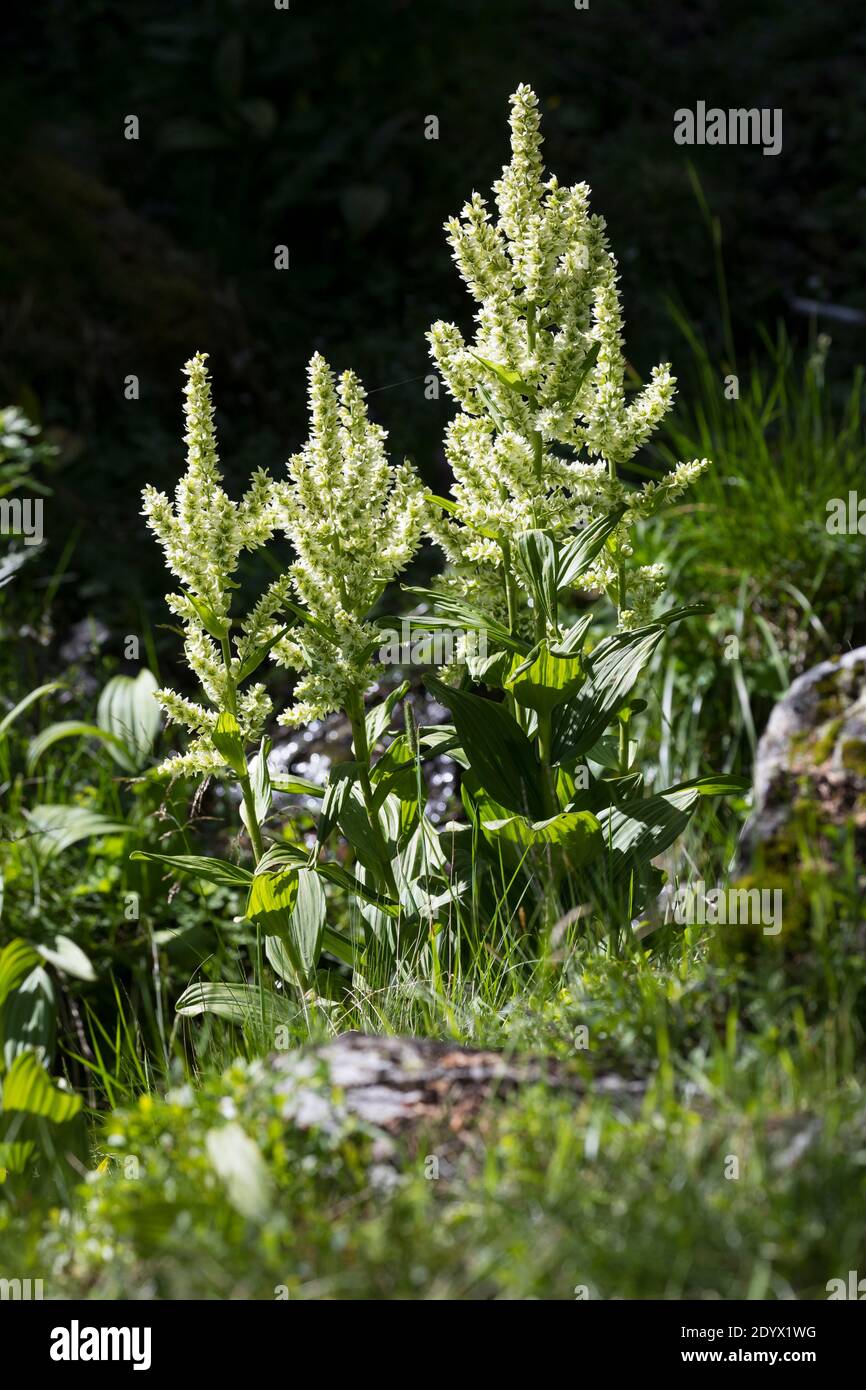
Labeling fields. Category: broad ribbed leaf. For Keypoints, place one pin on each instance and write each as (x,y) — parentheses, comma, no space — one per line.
(537,554)
(197,866)
(54,828)
(128,712)
(578,554)
(379,717)
(498,750)
(635,832)
(614,667)
(544,680)
(29,1090)
(16,961)
(260,785)
(65,955)
(228,742)
(578,832)
(237,1003)
(28,1022)
(219,628)
(297,951)
(271,899)
(75,728)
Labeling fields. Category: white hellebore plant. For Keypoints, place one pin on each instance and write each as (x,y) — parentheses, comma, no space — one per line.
(545,422)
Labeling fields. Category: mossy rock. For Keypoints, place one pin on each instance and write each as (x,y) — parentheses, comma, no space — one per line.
(809,816)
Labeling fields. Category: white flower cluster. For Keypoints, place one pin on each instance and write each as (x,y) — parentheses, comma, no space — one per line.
(355,521)
(203,534)
(546,368)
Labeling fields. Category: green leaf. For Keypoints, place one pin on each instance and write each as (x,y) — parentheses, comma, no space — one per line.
(544,680)
(395,773)
(614,666)
(209,870)
(379,717)
(227,740)
(508,378)
(586,367)
(237,1003)
(636,831)
(73,728)
(254,658)
(713,784)
(297,953)
(578,554)
(341,947)
(16,961)
(130,717)
(65,955)
(344,806)
(15,713)
(29,1019)
(271,899)
(536,552)
(449,505)
(28,1089)
(329,633)
(260,785)
(300,786)
(453,611)
(687,610)
(578,832)
(498,750)
(572,640)
(55,828)
(336,874)
(219,628)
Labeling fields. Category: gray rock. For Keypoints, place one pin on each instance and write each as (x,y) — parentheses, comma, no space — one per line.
(811,763)
(394,1084)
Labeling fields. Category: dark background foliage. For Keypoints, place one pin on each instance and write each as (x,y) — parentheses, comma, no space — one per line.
(305,127)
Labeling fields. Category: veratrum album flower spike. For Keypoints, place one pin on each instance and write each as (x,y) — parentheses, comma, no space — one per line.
(546,369)
(203,534)
(355,521)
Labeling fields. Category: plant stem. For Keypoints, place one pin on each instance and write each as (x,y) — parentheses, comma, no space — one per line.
(622,748)
(253,827)
(355,711)
(537,452)
(545,755)
(510,596)
(244,780)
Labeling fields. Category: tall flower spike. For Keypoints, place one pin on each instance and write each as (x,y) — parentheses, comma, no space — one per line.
(355,521)
(546,368)
(203,534)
